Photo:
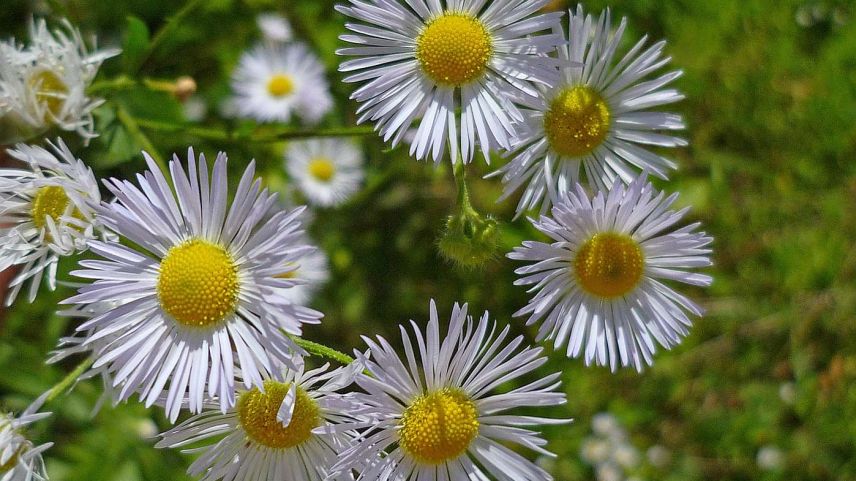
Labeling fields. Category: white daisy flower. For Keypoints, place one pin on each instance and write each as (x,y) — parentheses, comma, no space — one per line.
(598,118)
(280,432)
(423,60)
(46,212)
(20,459)
(437,416)
(274,27)
(201,294)
(313,270)
(599,283)
(272,81)
(327,171)
(45,84)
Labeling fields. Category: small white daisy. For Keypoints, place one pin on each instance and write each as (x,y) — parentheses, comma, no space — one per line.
(313,270)
(20,460)
(272,81)
(421,61)
(327,171)
(599,283)
(596,119)
(46,212)
(201,294)
(282,432)
(274,27)
(436,416)
(44,84)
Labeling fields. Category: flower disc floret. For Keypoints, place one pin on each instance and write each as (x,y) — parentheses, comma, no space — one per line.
(439,426)
(454,49)
(257,414)
(609,265)
(198,283)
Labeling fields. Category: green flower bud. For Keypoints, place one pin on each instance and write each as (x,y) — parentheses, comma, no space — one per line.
(469,240)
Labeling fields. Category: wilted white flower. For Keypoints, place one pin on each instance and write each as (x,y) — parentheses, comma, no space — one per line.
(46,212)
(20,459)
(44,84)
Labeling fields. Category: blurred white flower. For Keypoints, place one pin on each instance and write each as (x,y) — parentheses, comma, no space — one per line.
(770,458)
(595,450)
(274,27)
(274,81)
(659,456)
(626,455)
(327,171)
(788,393)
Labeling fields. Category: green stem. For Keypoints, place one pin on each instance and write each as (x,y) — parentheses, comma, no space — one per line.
(123,82)
(460,172)
(69,379)
(223,135)
(322,350)
(171,24)
(133,128)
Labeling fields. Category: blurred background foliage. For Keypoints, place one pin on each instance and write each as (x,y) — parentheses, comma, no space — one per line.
(763,388)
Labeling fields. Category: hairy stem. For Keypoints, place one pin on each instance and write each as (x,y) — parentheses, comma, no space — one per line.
(69,379)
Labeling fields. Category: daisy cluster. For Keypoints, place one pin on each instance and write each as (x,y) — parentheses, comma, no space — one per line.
(194,293)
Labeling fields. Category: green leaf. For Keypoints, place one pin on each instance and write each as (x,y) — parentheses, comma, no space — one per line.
(136,42)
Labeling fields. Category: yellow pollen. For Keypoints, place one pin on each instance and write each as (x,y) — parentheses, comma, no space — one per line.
(454,49)
(198,283)
(577,121)
(280,85)
(50,90)
(50,201)
(257,415)
(439,426)
(609,265)
(322,169)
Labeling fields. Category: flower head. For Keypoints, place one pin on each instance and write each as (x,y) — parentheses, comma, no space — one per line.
(44,84)
(599,283)
(200,289)
(280,432)
(422,61)
(327,171)
(596,119)
(46,212)
(434,414)
(273,81)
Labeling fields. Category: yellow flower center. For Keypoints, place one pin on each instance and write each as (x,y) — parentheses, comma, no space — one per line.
(322,169)
(609,265)
(50,201)
(257,415)
(577,121)
(198,283)
(280,85)
(439,426)
(50,90)
(454,49)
